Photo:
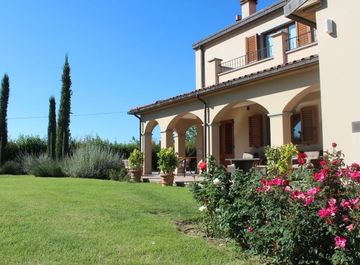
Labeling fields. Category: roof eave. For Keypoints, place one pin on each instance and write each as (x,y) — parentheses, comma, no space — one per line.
(258,15)
(276,70)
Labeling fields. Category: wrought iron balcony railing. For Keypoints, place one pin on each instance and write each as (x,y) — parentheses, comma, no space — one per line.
(246,59)
(301,40)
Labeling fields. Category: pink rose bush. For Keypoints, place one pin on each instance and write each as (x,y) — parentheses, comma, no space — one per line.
(308,215)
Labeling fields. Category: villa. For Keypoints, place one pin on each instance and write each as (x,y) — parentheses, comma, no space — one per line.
(287,73)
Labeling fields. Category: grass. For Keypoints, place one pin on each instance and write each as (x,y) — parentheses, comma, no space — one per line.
(82,221)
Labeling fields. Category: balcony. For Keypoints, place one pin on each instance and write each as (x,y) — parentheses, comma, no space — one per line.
(249,58)
(283,50)
(301,40)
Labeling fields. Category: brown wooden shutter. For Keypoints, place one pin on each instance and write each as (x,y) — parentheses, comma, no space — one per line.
(226,141)
(309,125)
(303,34)
(255,131)
(251,49)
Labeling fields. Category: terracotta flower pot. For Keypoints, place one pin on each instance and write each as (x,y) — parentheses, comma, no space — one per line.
(135,175)
(167,179)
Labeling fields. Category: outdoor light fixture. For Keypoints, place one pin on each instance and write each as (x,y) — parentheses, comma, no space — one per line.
(329,26)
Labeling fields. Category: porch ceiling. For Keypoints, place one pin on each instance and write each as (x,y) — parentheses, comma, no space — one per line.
(302,10)
(246,79)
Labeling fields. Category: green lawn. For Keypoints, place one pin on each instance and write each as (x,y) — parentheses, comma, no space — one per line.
(82,221)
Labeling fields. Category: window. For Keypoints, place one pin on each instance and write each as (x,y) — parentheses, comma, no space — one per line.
(296,128)
(291,29)
(304,126)
(255,131)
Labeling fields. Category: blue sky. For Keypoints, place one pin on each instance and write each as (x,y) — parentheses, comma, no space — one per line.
(122,54)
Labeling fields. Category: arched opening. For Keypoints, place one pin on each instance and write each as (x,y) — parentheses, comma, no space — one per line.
(239,130)
(151,146)
(305,120)
(188,141)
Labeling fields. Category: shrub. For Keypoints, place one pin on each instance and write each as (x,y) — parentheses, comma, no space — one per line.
(92,161)
(11,168)
(279,159)
(41,166)
(168,160)
(136,159)
(123,149)
(302,217)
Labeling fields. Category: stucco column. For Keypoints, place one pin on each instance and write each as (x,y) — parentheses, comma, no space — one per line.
(179,146)
(199,142)
(280,131)
(279,47)
(167,139)
(213,71)
(147,151)
(214,136)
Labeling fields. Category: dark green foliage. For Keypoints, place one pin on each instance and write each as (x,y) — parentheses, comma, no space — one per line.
(63,127)
(123,149)
(25,144)
(119,174)
(190,146)
(31,144)
(155,149)
(51,140)
(4,101)
(11,150)
(11,168)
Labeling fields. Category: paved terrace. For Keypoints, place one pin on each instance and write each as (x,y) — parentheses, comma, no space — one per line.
(179,180)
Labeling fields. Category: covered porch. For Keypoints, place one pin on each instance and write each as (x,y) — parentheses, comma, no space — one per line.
(236,120)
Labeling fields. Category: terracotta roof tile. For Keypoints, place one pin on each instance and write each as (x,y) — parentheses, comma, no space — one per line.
(290,66)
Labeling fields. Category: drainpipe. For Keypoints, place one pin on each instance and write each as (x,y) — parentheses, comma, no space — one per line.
(205,125)
(139,117)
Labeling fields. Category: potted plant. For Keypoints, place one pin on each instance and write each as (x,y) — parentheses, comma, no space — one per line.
(136,160)
(168,161)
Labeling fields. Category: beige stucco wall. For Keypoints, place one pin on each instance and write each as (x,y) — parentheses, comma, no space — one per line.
(233,45)
(240,115)
(273,95)
(302,52)
(339,71)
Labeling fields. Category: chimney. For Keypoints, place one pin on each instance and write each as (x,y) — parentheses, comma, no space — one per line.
(248,7)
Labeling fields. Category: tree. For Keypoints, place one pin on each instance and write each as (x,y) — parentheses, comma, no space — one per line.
(63,127)
(4,101)
(51,140)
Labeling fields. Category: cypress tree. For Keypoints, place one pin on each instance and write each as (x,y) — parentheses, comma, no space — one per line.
(52,129)
(4,101)
(63,127)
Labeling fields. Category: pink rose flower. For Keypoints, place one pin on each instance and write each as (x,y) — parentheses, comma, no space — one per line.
(324,212)
(320,176)
(313,191)
(298,195)
(308,201)
(332,202)
(250,229)
(353,202)
(279,182)
(301,158)
(345,204)
(355,167)
(323,163)
(340,242)
(350,227)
